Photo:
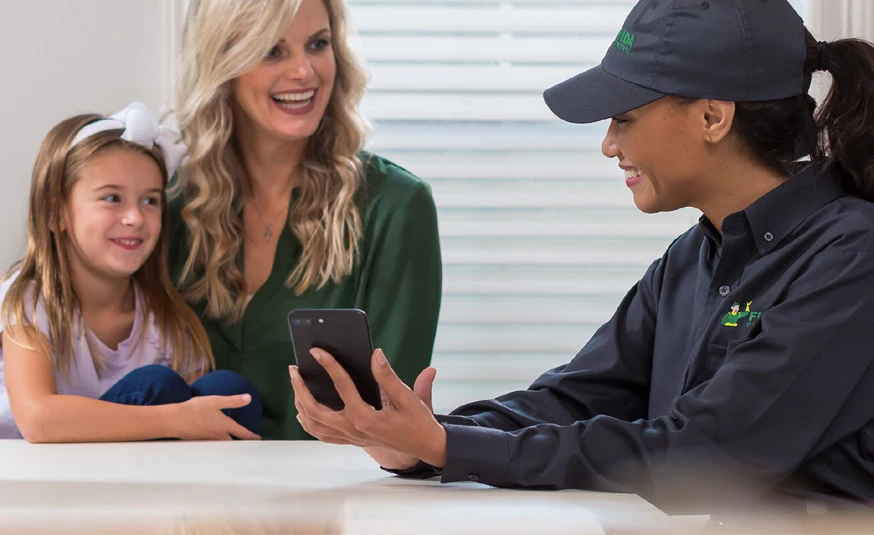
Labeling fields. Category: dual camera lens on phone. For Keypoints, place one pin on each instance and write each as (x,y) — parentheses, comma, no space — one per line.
(306,321)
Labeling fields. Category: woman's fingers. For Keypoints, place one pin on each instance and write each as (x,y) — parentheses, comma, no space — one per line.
(303,398)
(307,405)
(342,382)
(424,387)
(327,434)
(395,389)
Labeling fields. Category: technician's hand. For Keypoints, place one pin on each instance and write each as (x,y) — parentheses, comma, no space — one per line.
(396,436)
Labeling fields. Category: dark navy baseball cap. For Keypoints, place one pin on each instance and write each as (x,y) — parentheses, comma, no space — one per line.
(733,50)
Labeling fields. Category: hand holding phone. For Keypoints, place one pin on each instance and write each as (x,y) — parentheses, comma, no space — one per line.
(345,334)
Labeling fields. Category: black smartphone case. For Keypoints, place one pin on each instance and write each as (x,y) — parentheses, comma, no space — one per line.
(344,333)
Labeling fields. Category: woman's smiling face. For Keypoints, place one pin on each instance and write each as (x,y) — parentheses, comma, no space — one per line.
(661,149)
(286,95)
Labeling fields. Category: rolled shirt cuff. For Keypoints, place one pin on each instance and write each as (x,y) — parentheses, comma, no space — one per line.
(473,453)
(478,454)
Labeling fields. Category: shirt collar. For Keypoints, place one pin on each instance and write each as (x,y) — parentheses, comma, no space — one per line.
(776,214)
(709,230)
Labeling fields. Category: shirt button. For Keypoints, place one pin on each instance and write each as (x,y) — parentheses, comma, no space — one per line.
(769,237)
(473,477)
(724,290)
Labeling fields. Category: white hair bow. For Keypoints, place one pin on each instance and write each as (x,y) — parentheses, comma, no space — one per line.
(141,127)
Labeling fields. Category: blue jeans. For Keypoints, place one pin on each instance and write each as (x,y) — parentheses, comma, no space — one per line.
(159,385)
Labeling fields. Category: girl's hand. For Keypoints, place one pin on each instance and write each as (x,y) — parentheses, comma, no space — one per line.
(396,436)
(201,418)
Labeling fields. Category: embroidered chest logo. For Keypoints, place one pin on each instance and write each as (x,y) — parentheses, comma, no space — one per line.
(735,316)
(624,42)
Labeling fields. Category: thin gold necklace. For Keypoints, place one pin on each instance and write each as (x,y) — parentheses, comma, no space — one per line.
(268,231)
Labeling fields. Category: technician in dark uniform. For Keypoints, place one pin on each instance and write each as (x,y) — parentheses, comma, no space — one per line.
(709,109)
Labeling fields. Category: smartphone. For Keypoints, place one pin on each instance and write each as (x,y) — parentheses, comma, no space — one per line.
(345,334)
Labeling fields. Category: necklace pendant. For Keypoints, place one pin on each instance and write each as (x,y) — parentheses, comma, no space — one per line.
(268,233)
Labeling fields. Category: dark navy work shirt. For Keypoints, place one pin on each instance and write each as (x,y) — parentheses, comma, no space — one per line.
(739,365)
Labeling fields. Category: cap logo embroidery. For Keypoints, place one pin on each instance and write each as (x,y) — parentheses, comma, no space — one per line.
(624,42)
(735,315)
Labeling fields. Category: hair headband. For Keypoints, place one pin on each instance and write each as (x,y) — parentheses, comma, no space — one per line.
(141,127)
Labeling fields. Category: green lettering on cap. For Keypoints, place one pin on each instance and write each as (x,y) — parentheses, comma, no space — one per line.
(624,42)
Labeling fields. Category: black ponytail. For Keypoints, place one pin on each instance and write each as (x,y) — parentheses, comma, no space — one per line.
(841,131)
(845,120)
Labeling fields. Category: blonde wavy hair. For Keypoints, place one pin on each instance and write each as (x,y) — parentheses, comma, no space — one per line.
(45,269)
(223,39)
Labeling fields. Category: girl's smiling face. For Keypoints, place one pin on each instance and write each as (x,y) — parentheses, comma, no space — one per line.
(113,214)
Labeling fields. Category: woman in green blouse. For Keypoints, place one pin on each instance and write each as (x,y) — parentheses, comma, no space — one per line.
(277,206)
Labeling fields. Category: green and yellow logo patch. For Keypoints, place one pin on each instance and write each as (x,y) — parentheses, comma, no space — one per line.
(624,42)
(736,315)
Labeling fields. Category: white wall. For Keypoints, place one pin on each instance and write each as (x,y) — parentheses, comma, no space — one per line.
(60,58)
(833,19)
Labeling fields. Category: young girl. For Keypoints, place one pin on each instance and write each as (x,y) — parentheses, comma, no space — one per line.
(97,345)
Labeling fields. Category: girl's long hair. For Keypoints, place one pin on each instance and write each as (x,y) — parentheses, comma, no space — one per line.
(44,273)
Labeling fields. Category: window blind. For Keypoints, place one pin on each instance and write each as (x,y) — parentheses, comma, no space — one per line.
(540,236)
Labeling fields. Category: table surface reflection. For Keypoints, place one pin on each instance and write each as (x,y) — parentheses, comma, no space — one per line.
(276,487)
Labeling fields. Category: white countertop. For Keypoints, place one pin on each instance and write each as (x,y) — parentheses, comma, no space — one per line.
(276,487)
